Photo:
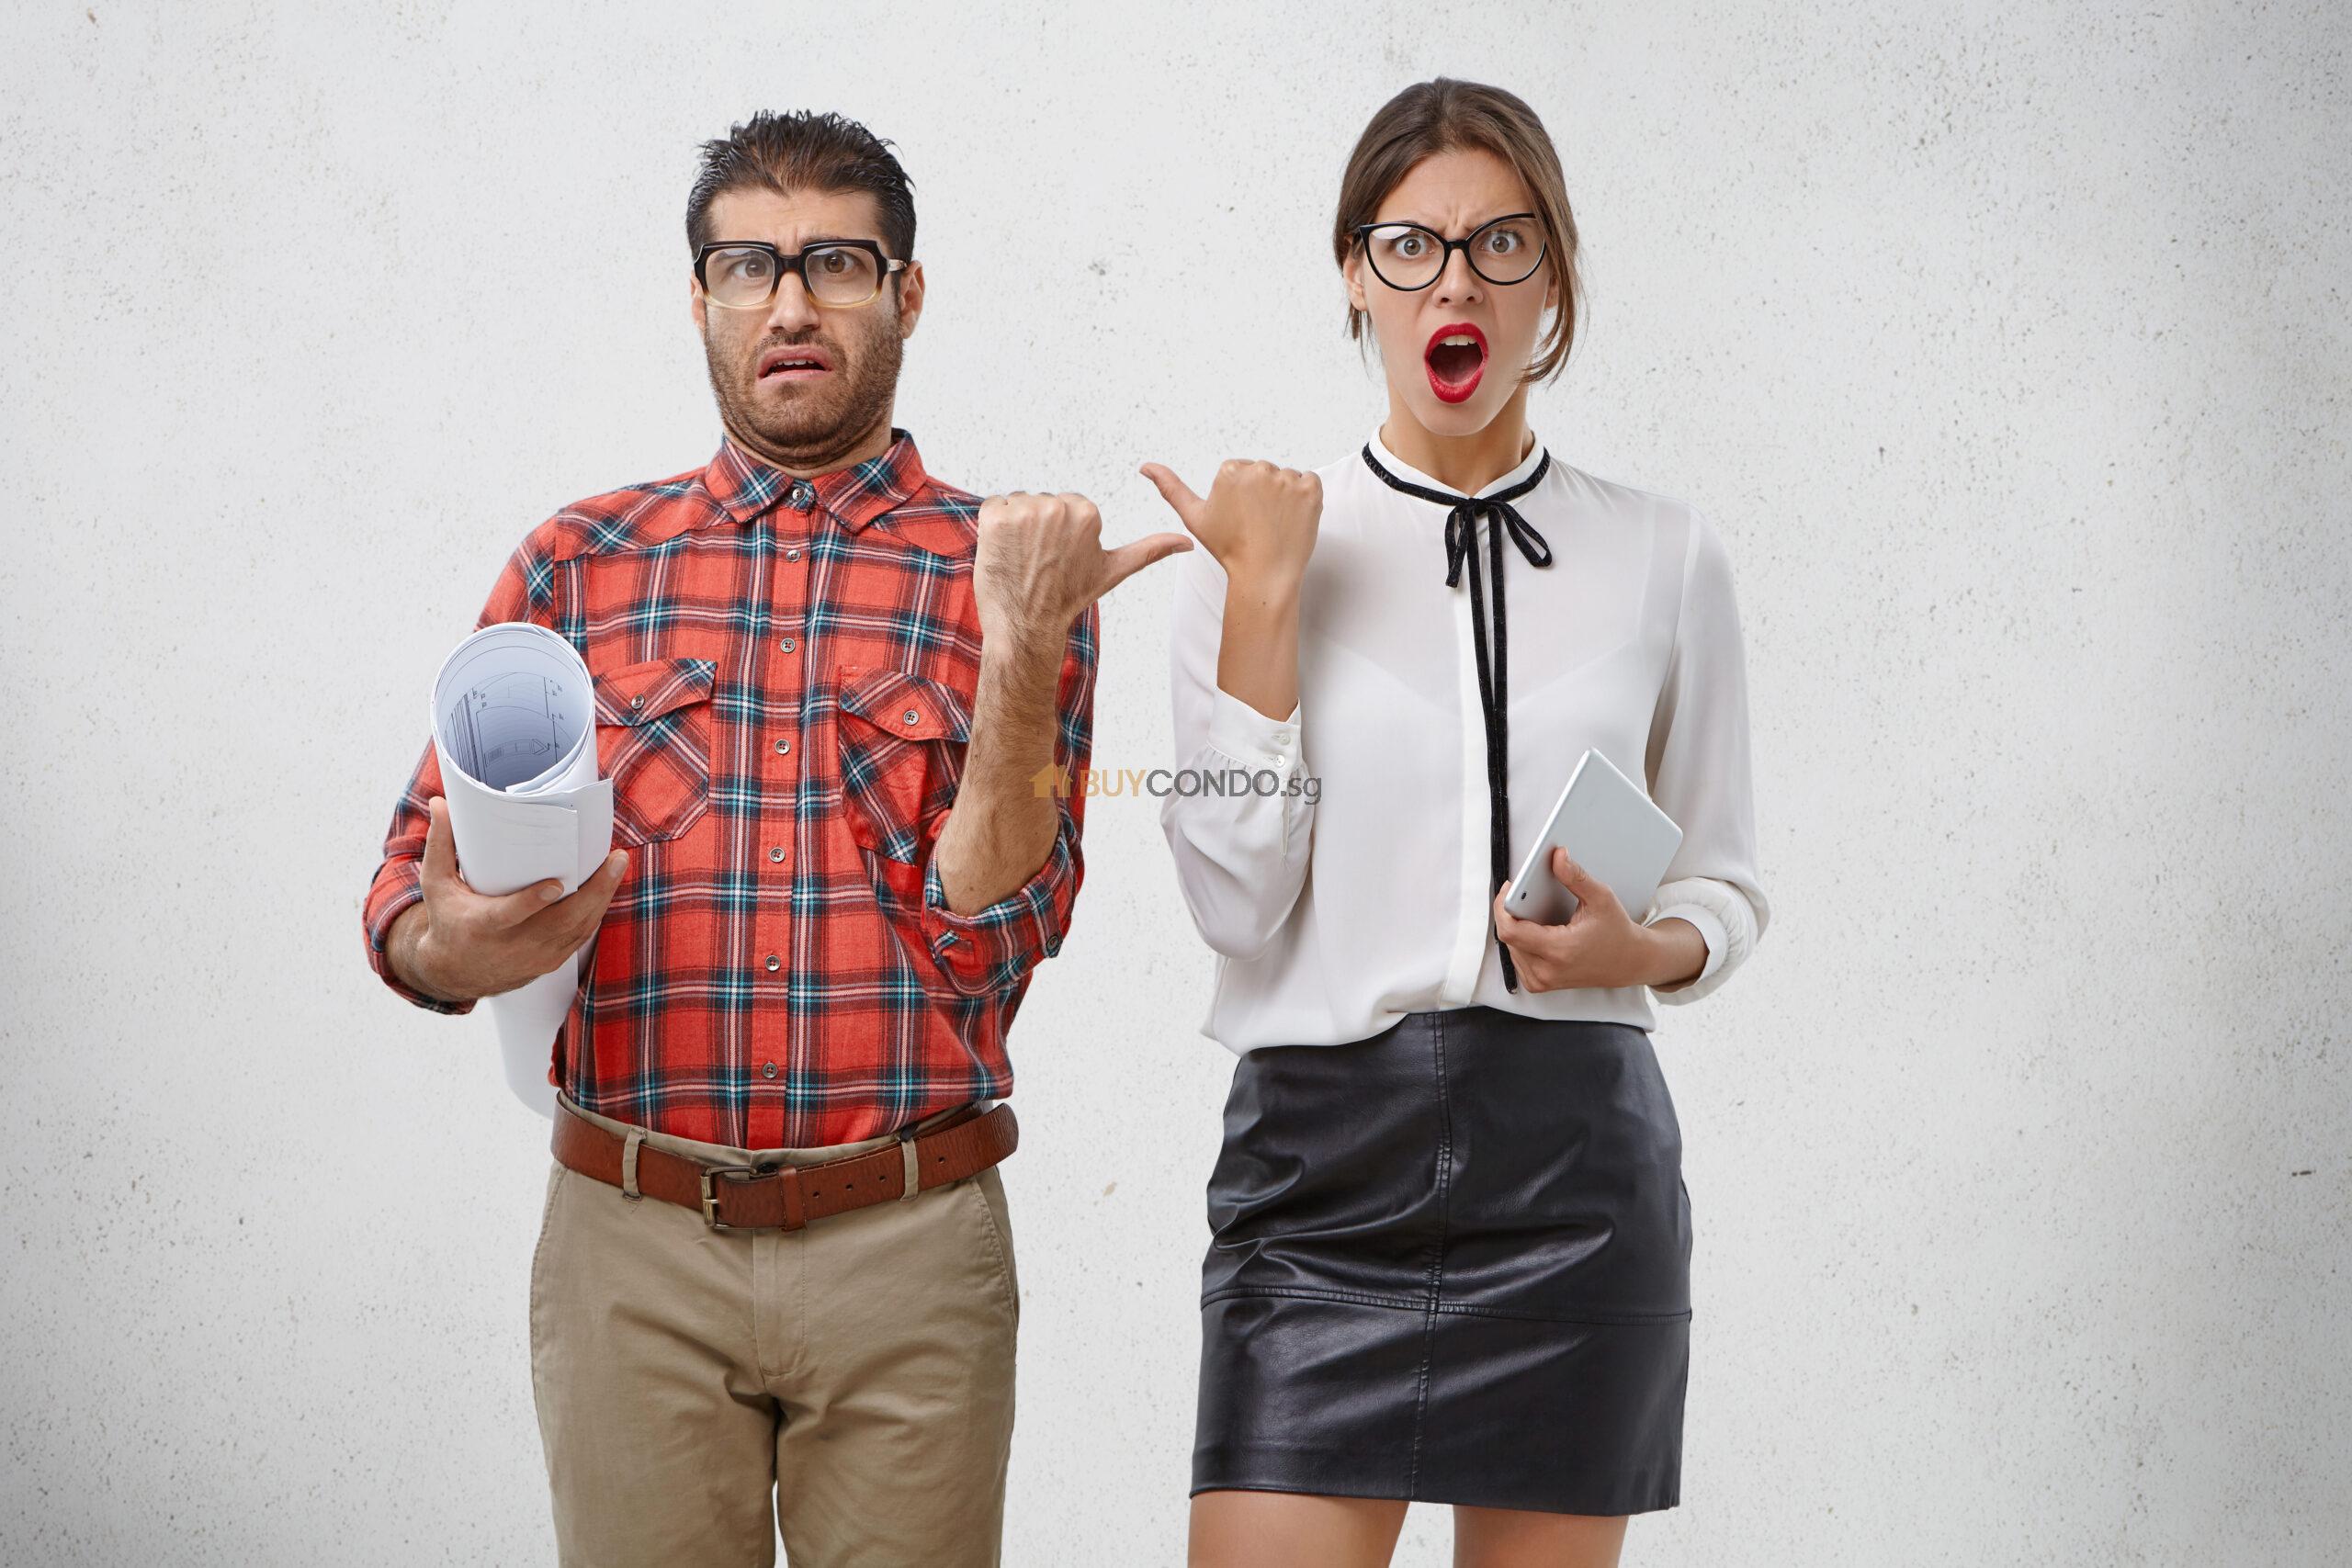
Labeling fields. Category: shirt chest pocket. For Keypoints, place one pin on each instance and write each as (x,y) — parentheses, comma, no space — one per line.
(901,737)
(654,741)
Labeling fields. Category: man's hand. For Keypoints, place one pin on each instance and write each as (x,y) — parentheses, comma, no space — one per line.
(1601,944)
(1259,520)
(460,945)
(1040,563)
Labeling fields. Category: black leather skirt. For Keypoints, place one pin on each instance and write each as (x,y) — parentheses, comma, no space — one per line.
(1451,1263)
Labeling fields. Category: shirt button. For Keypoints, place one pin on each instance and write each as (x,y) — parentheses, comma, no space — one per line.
(914,717)
(1282,736)
(782,746)
(767,1070)
(791,554)
(775,963)
(776,853)
(785,644)
(800,494)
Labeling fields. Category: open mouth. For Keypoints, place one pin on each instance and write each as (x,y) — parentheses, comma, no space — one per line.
(792,364)
(1456,358)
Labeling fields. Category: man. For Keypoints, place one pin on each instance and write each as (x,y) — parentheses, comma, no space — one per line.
(825,682)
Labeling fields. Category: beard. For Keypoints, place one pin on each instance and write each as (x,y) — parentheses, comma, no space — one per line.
(810,427)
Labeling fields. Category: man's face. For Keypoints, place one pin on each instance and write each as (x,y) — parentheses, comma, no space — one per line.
(805,418)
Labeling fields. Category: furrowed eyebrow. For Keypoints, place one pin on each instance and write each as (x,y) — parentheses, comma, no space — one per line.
(1439,228)
(813,239)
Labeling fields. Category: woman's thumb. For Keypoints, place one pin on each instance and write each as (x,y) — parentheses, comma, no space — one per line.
(1173,490)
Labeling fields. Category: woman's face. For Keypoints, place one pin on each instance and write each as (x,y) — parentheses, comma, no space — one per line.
(1452,386)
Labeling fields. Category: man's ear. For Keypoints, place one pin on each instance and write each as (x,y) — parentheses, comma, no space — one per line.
(698,309)
(910,291)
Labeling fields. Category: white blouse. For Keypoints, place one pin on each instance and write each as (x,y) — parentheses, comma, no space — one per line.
(1337,910)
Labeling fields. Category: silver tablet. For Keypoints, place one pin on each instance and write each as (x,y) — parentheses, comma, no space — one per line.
(1610,825)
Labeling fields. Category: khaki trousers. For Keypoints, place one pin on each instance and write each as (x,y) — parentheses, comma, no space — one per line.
(849,1382)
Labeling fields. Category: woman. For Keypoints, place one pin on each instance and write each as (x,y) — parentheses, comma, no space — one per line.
(1450,1255)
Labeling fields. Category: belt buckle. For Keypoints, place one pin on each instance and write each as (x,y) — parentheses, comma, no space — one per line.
(789,1175)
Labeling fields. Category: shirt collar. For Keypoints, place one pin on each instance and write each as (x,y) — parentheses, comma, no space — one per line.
(746,486)
(1405,470)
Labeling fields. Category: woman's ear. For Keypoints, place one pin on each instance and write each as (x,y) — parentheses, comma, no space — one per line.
(1352,271)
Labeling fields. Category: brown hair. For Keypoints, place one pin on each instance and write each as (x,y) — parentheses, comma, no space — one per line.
(1443,115)
(806,151)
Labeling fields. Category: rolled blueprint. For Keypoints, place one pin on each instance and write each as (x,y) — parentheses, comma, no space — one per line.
(514,727)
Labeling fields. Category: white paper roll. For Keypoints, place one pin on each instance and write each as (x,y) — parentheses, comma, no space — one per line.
(515,727)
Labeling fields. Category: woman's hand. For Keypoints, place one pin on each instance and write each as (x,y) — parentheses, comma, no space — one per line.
(1601,945)
(1259,520)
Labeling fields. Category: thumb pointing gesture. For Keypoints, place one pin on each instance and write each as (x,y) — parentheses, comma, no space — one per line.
(1259,520)
(1177,494)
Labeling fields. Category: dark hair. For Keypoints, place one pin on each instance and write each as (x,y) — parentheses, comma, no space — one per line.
(804,150)
(1443,115)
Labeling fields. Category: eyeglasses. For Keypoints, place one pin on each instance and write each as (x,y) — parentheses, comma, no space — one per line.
(743,274)
(1412,256)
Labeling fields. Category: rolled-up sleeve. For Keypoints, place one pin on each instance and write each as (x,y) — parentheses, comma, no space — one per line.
(399,881)
(1235,815)
(524,592)
(1699,772)
(992,949)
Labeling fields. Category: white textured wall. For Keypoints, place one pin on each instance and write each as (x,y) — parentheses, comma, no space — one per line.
(2007,344)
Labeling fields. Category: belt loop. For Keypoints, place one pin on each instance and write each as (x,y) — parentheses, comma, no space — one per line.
(913,1167)
(628,1166)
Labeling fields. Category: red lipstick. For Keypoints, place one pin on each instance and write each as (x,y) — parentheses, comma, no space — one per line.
(1454,367)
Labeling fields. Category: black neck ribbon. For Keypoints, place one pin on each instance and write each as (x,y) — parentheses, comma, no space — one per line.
(1494,675)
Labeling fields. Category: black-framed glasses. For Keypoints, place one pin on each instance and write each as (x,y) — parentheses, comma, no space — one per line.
(744,274)
(1503,250)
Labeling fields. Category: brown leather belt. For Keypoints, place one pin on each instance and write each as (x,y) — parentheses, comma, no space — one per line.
(787,1197)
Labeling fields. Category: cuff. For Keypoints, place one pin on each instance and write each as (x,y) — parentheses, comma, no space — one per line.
(401,887)
(1248,737)
(1725,917)
(991,948)
(1711,927)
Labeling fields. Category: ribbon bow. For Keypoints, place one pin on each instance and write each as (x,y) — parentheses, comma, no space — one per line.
(1494,677)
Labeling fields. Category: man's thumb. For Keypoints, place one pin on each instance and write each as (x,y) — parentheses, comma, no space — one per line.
(1136,554)
(440,854)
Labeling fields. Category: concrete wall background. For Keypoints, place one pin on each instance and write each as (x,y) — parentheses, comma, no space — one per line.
(2007,344)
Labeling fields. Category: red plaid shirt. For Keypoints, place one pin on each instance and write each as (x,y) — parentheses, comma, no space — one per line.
(785,674)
